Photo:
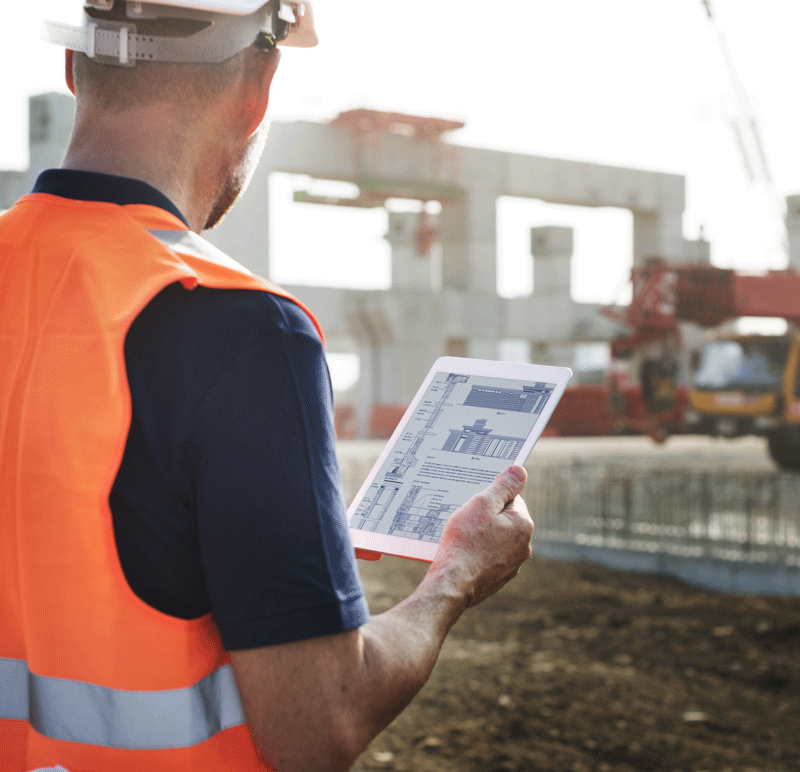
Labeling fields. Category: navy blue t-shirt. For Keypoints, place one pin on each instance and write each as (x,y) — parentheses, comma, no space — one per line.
(228,498)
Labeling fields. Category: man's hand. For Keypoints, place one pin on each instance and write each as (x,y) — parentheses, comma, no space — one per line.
(315,705)
(486,541)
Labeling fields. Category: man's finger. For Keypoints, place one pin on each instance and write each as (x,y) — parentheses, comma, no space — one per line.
(506,487)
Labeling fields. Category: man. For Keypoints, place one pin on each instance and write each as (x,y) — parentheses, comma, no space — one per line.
(177,586)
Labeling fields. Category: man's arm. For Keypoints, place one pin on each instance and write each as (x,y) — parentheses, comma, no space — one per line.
(315,705)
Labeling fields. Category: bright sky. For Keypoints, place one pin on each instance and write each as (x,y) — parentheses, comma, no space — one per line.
(637,83)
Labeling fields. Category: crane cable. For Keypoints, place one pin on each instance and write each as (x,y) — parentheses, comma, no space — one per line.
(746,125)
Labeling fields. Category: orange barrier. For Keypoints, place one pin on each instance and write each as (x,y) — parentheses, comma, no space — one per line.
(583,411)
(383,420)
(591,411)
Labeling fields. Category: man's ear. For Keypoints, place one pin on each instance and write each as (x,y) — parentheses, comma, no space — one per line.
(68,56)
(260,72)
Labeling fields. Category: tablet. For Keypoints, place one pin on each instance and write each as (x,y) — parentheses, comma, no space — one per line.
(470,420)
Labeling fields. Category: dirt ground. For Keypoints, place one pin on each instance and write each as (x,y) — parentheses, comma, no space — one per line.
(578,668)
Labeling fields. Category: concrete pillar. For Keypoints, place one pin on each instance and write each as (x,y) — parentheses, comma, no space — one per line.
(50,128)
(474,348)
(793,230)
(418,341)
(551,249)
(658,234)
(391,373)
(366,387)
(555,354)
(468,226)
(697,252)
(373,326)
(454,238)
(403,367)
(468,235)
(658,231)
(12,188)
(410,269)
(481,348)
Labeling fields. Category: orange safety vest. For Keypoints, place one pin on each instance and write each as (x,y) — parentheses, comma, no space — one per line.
(91,677)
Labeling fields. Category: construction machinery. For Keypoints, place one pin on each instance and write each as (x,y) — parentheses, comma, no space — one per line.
(738,384)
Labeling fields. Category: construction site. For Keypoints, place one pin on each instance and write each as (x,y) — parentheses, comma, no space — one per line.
(659,615)
(678,367)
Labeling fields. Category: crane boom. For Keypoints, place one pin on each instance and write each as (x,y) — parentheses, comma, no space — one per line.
(665,294)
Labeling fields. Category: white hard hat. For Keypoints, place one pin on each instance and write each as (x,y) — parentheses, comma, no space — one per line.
(122,32)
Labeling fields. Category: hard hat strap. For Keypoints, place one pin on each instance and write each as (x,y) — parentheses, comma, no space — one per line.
(118,42)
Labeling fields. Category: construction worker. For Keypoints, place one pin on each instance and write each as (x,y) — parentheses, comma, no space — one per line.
(177,586)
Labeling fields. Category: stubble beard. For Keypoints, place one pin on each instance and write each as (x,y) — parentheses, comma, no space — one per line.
(240,176)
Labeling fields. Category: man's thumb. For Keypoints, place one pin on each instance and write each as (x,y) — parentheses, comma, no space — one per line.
(509,483)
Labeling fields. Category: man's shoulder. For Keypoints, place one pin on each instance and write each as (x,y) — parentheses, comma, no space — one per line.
(241,313)
(185,343)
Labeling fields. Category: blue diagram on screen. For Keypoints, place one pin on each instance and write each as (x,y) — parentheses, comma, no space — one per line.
(465,430)
(477,440)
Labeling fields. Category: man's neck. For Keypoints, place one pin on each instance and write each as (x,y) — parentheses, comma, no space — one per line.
(177,162)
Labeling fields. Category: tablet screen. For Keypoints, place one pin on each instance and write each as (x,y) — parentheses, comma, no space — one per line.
(464,431)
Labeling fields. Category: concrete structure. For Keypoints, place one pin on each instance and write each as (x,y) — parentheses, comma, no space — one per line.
(793,230)
(49,127)
(398,333)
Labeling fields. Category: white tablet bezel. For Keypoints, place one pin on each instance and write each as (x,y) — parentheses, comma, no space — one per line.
(390,544)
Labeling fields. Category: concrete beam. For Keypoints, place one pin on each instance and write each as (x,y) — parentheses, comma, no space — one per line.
(580,183)
(332,152)
(468,225)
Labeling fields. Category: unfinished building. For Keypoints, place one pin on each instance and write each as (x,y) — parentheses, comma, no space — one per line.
(397,333)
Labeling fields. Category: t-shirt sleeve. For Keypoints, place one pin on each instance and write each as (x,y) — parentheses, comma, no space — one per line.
(272,531)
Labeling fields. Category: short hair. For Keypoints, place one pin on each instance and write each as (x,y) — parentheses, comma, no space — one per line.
(117,88)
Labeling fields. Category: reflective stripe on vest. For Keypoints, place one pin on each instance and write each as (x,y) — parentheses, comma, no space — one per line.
(189,243)
(13,689)
(80,712)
